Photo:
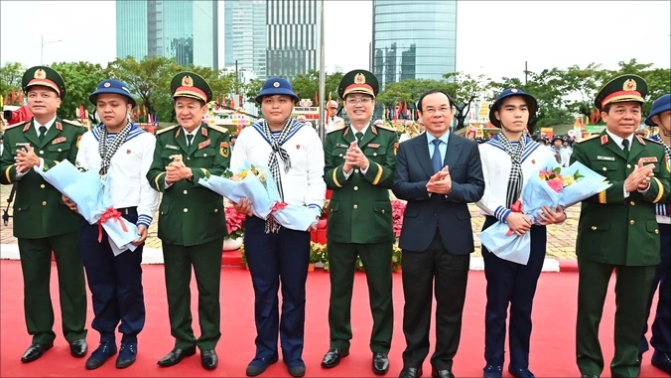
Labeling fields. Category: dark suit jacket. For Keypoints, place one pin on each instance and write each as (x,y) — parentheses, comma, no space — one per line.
(424,213)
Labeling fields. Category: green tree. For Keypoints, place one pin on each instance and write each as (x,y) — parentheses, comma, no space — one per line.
(251,89)
(409,90)
(221,82)
(81,79)
(10,77)
(148,80)
(463,86)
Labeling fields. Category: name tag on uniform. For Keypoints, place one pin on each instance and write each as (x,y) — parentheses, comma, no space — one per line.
(342,145)
(22,144)
(373,145)
(605,158)
(649,159)
(171,147)
(59,140)
(204,144)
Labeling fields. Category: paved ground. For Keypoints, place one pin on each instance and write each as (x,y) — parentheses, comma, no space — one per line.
(561,239)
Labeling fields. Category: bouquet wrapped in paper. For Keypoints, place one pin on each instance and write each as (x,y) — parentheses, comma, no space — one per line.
(553,187)
(258,186)
(90,193)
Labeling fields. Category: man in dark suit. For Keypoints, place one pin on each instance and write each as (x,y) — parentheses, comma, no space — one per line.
(438,173)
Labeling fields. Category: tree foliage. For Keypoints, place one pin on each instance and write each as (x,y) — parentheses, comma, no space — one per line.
(81,79)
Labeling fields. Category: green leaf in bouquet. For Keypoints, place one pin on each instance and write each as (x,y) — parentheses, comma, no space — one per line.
(577,175)
(227,173)
(557,170)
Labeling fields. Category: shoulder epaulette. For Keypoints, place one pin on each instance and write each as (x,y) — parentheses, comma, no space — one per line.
(588,138)
(385,127)
(339,128)
(72,123)
(653,141)
(159,132)
(220,129)
(15,125)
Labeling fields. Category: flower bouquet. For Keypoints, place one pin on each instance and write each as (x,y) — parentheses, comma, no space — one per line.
(235,223)
(552,187)
(258,186)
(90,193)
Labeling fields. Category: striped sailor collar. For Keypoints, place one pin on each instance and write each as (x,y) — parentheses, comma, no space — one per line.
(134,131)
(295,125)
(529,146)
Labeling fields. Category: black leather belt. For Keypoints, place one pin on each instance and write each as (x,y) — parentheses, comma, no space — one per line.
(128,210)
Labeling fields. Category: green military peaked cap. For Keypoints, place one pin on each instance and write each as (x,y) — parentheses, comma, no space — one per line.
(192,85)
(358,81)
(621,89)
(43,76)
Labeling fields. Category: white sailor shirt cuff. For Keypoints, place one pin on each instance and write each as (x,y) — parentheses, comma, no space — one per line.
(316,208)
(502,213)
(144,220)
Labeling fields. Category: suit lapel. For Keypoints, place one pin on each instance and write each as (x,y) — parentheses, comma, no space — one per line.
(611,145)
(423,155)
(31,135)
(197,139)
(348,136)
(51,133)
(636,149)
(453,150)
(180,139)
(367,137)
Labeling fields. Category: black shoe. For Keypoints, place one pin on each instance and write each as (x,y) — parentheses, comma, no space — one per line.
(209,360)
(297,371)
(442,373)
(78,348)
(176,356)
(520,373)
(491,371)
(662,361)
(411,373)
(127,354)
(35,351)
(380,363)
(259,365)
(333,356)
(105,350)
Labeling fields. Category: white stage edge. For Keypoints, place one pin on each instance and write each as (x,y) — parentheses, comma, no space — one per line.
(155,256)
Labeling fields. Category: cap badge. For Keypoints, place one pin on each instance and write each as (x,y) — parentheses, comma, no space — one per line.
(187,81)
(514,90)
(629,85)
(359,79)
(276,84)
(107,85)
(40,74)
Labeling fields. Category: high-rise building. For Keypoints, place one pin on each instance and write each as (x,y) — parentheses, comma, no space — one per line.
(420,43)
(183,29)
(293,37)
(245,35)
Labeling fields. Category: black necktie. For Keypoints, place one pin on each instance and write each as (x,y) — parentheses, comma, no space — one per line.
(625,145)
(189,139)
(43,132)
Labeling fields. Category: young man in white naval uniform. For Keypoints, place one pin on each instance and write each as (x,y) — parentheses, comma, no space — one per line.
(123,152)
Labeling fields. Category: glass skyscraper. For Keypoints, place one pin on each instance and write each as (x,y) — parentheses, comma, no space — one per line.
(293,37)
(245,35)
(184,29)
(413,42)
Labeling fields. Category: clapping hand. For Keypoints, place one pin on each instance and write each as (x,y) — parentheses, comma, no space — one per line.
(441,182)
(355,158)
(177,170)
(26,159)
(639,178)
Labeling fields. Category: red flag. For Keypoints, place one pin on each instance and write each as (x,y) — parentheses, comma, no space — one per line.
(316,99)
(13,97)
(598,116)
(20,98)
(6,100)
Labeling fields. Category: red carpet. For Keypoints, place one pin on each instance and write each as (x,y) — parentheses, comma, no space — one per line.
(552,352)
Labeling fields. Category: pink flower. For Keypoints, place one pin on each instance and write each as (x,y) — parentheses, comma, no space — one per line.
(398,208)
(556,185)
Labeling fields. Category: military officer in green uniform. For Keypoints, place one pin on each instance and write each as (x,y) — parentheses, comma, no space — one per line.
(42,222)
(359,168)
(618,230)
(191,223)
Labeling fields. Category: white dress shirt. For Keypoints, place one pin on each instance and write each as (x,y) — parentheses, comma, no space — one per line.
(128,169)
(348,174)
(304,183)
(496,166)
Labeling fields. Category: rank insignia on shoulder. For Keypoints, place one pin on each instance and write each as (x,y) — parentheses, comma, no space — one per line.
(204,144)
(203,131)
(340,127)
(604,140)
(640,140)
(59,140)
(588,138)
(59,126)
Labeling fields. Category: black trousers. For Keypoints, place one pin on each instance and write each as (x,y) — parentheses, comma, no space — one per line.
(434,271)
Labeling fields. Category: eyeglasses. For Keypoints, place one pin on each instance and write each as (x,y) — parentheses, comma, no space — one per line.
(434,111)
(354,101)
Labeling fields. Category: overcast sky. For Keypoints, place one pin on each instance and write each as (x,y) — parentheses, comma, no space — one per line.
(494,38)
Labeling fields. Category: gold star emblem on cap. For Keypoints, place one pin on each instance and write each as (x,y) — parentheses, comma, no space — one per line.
(40,74)
(107,85)
(629,85)
(359,79)
(187,81)
(276,84)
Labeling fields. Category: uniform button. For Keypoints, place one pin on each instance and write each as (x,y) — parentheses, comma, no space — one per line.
(356,171)
(604,169)
(42,186)
(593,228)
(656,232)
(185,191)
(216,210)
(356,188)
(188,158)
(628,166)
(340,155)
(186,210)
(374,153)
(632,222)
(19,209)
(632,203)
(382,211)
(44,203)
(59,150)
(356,207)
(204,155)
(41,152)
